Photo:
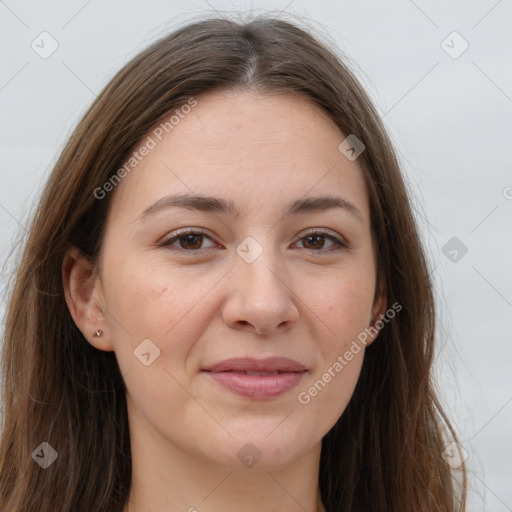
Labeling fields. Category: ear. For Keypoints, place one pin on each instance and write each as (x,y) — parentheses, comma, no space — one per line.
(378,311)
(84,298)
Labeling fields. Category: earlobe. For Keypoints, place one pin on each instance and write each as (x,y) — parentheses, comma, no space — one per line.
(84,298)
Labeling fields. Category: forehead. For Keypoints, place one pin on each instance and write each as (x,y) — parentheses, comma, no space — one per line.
(243,144)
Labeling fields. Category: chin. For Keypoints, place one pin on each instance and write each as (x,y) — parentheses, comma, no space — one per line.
(266,448)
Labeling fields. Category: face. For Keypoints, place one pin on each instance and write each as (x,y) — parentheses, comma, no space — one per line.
(195,295)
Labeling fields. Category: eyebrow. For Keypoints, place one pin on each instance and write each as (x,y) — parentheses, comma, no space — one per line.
(227,206)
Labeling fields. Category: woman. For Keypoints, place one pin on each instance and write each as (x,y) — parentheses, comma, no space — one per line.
(223,302)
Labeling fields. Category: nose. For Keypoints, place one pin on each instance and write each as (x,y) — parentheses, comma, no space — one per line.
(261,298)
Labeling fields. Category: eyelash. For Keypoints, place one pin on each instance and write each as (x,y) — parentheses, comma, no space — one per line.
(340,245)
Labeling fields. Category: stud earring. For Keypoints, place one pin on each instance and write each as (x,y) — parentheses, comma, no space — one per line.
(98,333)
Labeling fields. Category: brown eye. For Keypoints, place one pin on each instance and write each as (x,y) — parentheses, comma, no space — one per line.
(314,242)
(191,241)
(186,241)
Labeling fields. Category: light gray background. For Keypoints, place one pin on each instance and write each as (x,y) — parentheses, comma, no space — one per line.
(450,119)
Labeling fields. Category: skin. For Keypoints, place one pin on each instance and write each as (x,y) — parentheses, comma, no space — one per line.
(298,299)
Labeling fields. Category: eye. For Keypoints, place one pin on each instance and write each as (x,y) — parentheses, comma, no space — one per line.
(188,240)
(315,240)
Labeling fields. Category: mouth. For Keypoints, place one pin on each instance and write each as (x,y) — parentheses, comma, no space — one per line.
(257,379)
(242,372)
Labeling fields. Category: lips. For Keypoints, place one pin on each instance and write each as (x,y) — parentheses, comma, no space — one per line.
(269,365)
(257,379)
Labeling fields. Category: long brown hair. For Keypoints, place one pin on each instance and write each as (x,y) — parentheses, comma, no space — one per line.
(385,451)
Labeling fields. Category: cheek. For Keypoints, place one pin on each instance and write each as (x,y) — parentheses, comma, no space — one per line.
(342,311)
(342,305)
(163,304)
(168,308)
